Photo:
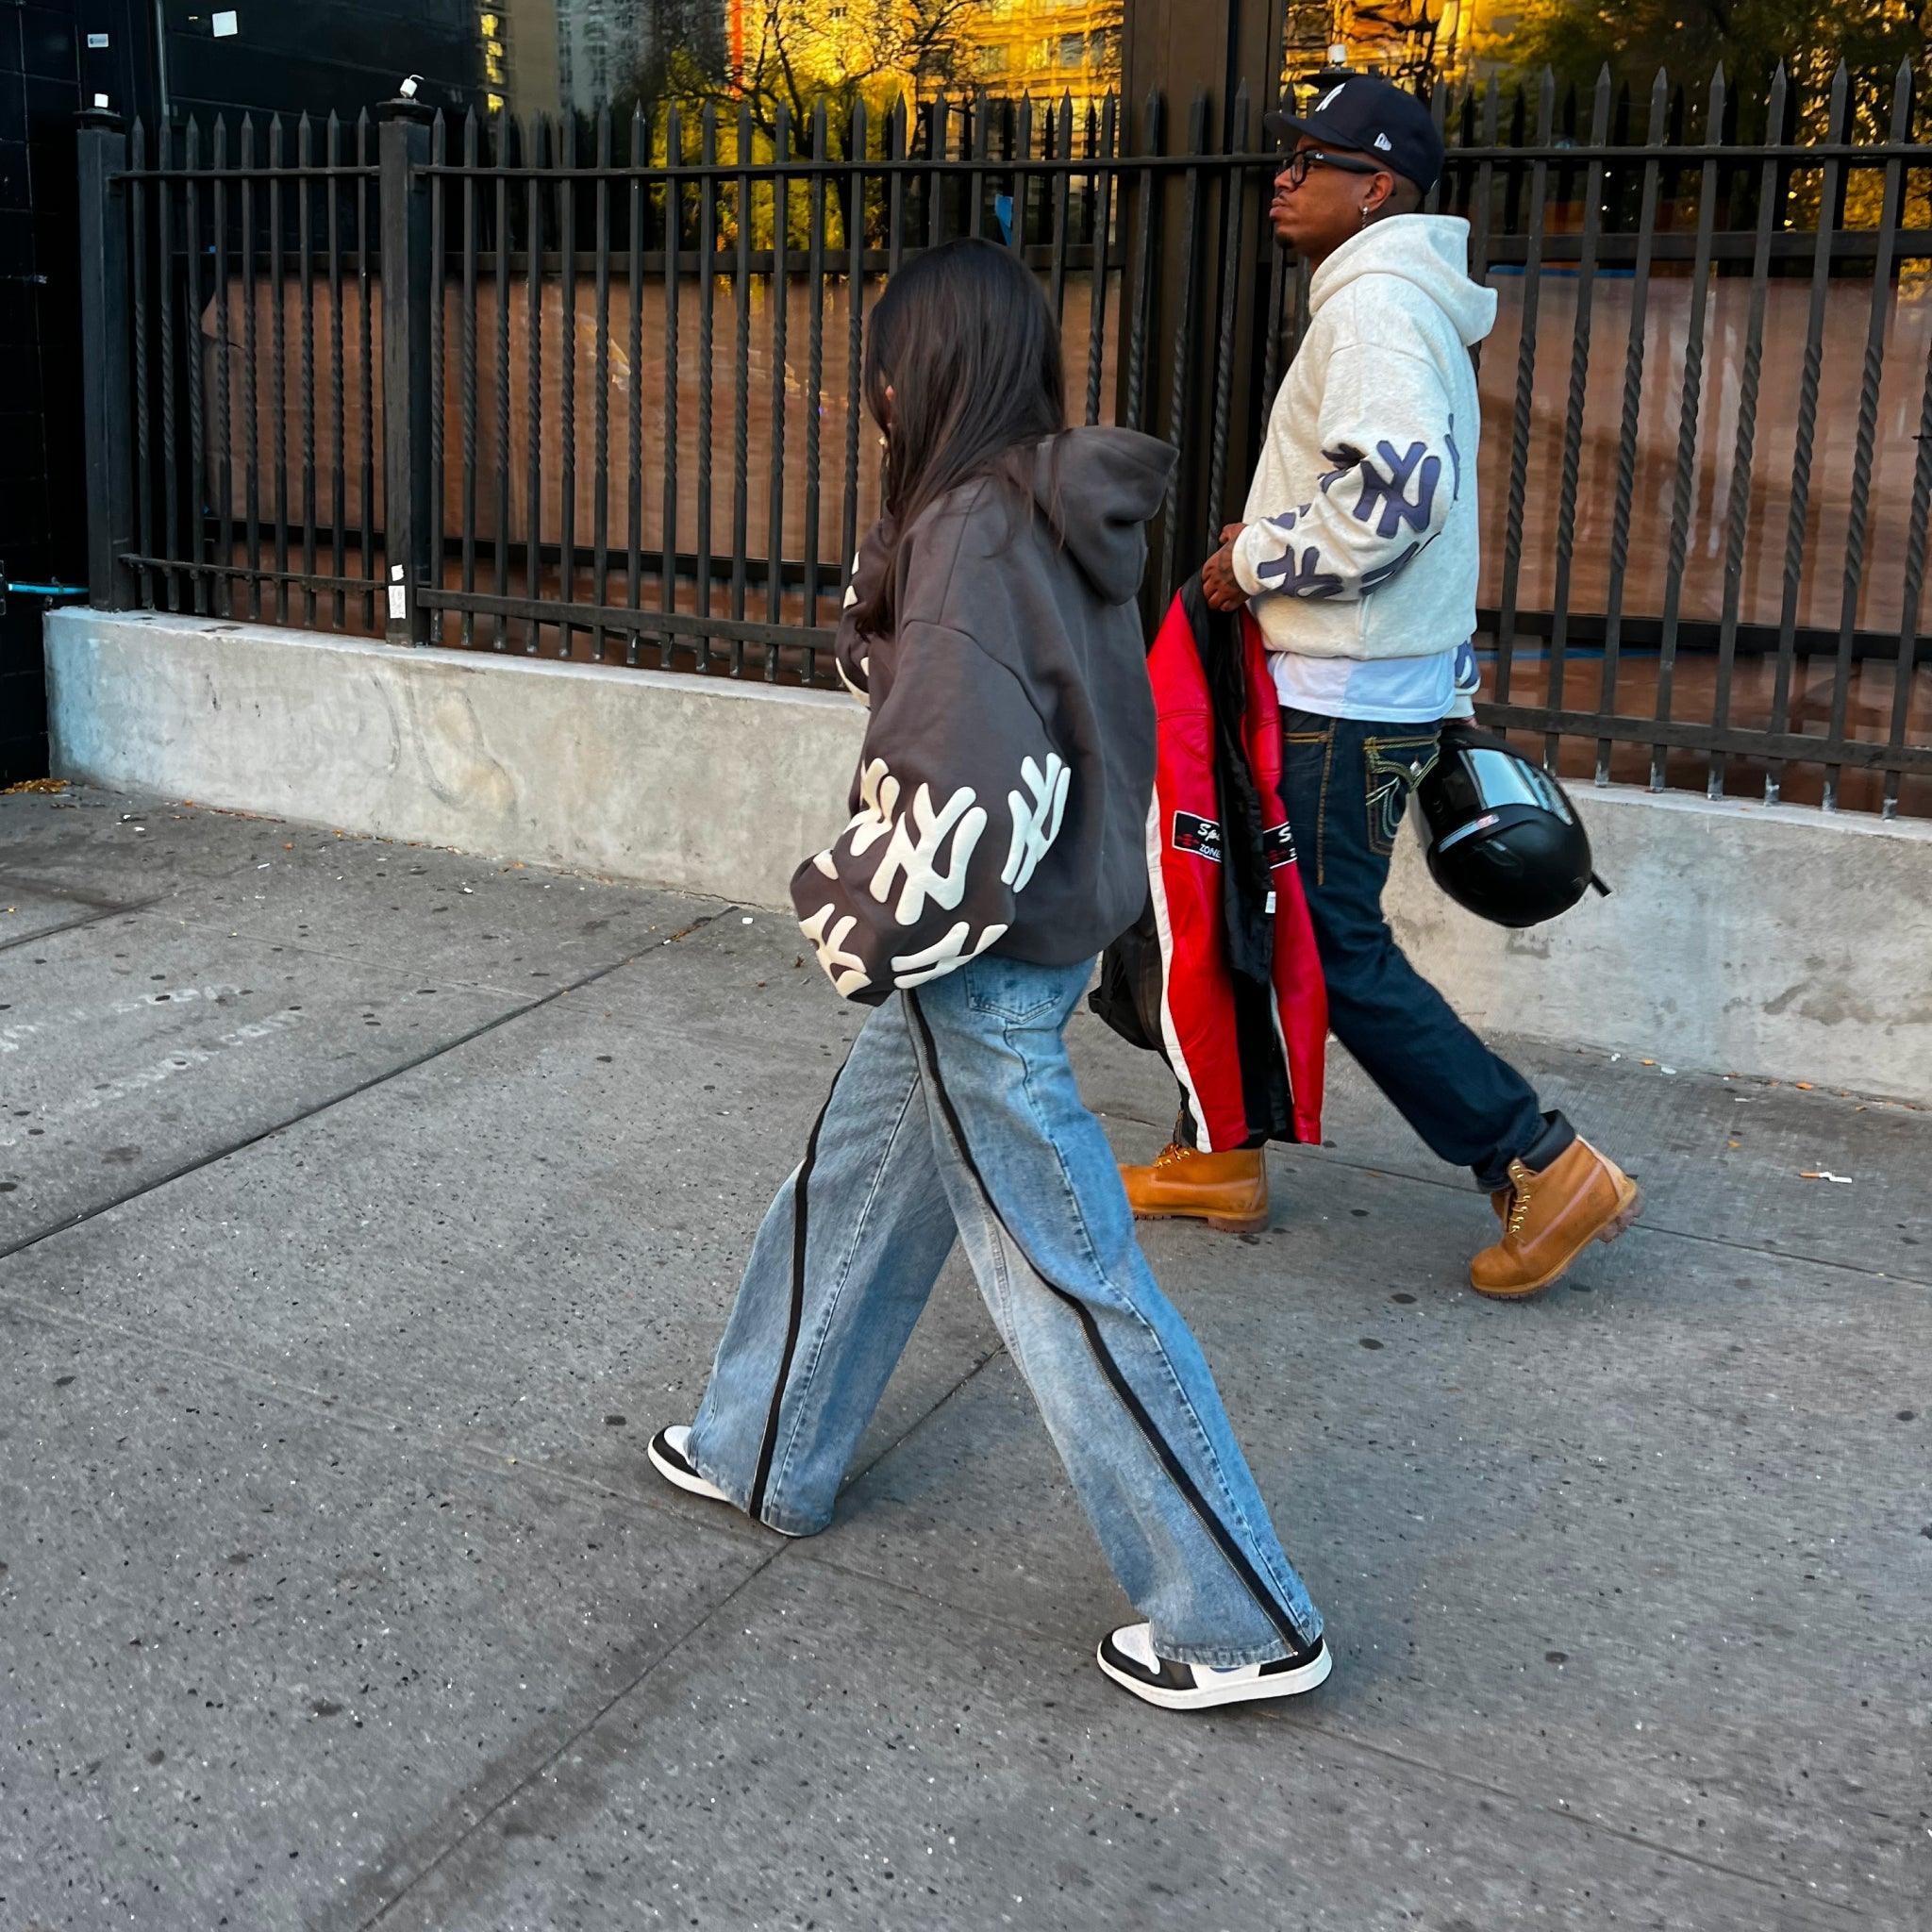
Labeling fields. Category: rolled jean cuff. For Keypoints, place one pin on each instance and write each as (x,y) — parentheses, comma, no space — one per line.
(1554,1141)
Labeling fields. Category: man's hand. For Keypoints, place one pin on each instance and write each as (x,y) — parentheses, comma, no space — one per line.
(1217,574)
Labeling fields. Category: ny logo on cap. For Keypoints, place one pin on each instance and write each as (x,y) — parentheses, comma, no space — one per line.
(1326,99)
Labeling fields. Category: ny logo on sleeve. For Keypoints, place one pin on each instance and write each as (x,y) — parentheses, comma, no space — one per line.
(916,843)
(845,970)
(1300,578)
(1388,495)
(1036,825)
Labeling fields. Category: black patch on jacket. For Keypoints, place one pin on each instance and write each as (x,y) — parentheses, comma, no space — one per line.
(1192,833)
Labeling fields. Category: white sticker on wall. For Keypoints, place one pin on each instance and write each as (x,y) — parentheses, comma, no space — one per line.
(95,41)
(226,24)
(398,601)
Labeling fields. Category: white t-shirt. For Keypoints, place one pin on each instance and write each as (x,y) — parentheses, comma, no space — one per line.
(1384,690)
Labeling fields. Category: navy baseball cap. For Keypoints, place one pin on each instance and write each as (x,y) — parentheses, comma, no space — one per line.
(1370,116)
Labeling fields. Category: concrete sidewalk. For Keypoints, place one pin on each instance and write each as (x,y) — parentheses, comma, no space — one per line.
(364,1208)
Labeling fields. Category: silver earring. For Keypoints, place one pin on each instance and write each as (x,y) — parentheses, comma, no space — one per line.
(1365,216)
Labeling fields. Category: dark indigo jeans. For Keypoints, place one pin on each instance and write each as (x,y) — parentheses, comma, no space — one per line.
(1346,784)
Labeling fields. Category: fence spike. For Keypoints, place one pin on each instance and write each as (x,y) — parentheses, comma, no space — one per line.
(1901,102)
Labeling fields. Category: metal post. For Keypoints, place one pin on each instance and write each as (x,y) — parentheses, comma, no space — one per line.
(106,378)
(1186,50)
(412,547)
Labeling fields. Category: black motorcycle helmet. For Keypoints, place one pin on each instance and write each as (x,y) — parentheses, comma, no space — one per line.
(1505,841)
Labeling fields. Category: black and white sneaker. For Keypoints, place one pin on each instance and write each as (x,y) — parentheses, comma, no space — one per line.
(1128,1658)
(669,1453)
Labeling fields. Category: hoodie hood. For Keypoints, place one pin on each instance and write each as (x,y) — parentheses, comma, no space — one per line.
(1097,486)
(1429,251)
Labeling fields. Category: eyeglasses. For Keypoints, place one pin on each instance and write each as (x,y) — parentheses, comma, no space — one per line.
(1296,166)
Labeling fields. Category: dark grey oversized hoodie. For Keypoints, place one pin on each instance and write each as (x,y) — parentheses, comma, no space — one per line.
(1001,798)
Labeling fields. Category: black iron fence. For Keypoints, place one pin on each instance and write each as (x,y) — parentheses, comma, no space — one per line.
(592,391)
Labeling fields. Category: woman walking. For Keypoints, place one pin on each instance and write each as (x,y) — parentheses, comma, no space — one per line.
(997,843)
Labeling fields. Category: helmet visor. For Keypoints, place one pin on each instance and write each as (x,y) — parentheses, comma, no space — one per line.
(1500,779)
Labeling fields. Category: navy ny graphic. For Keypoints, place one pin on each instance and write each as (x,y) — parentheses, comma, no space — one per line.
(1303,578)
(1374,579)
(1454,461)
(1346,459)
(1389,495)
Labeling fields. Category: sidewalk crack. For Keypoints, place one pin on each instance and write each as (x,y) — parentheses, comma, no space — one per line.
(351,1092)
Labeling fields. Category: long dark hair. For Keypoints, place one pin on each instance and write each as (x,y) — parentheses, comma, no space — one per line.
(965,340)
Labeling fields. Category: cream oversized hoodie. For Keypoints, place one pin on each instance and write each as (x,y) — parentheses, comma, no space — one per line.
(1361,539)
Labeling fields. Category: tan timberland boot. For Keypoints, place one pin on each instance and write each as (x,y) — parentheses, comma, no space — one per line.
(1550,1216)
(1227,1190)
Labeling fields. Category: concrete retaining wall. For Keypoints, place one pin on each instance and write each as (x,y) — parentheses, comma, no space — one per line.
(1741,938)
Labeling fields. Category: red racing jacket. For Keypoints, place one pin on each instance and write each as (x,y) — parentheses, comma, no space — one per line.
(1220,973)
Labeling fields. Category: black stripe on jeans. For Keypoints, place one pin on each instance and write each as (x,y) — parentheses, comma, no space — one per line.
(754,1504)
(1231,1547)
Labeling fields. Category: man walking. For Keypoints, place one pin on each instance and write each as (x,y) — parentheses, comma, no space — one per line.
(1359,558)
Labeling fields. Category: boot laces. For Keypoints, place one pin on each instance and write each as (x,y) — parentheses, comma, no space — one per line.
(1522,1180)
(1172,1154)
